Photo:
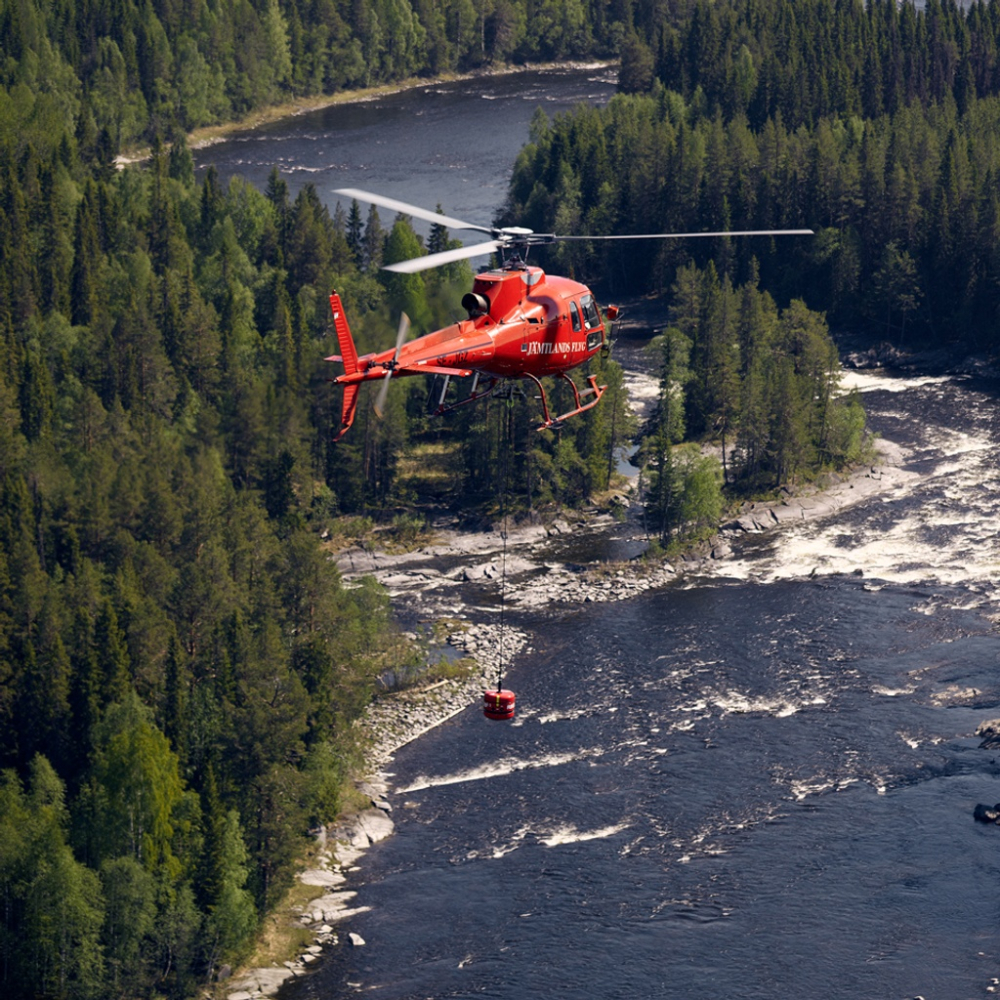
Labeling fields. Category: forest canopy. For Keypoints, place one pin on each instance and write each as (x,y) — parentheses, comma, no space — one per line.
(119,72)
(180,663)
(877,127)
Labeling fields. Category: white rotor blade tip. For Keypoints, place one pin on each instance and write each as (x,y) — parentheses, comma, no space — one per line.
(405,208)
(416,264)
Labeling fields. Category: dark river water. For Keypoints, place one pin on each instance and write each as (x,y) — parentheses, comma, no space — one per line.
(448,143)
(755,784)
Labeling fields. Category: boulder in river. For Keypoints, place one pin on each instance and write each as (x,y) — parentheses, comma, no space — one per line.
(375,824)
(990,731)
(987,814)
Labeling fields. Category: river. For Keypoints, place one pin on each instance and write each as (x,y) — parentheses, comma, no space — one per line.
(758,782)
(449,143)
(755,783)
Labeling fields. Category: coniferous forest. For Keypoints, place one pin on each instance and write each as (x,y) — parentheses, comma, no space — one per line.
(876,127)
(179,662)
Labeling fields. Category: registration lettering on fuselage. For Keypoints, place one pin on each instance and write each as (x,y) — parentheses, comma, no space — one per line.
(555,347)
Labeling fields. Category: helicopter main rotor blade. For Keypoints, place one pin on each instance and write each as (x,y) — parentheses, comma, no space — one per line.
(684,236)
(528,239)
(415,264)
(383,393)
(415,211)
(401,332)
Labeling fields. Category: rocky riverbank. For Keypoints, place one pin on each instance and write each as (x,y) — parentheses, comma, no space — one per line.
(323,915)
(391,722)
(459,577)
(460,573)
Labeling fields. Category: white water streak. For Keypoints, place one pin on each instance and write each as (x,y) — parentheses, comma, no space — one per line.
(497,769)
(571,835)
(948,537)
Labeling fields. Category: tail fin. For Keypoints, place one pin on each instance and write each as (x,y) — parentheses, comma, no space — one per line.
(349,356)
(347,408)
(349,353)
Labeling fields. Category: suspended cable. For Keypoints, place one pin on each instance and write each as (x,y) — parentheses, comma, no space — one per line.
(500,703)
(505,445)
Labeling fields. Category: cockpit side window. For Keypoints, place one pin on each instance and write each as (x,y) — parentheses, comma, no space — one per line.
(575,316)
(590,311)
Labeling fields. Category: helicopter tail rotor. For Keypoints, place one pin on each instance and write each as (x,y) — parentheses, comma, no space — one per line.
(390,366)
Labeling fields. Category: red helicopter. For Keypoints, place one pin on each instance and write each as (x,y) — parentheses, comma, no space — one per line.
(522,323)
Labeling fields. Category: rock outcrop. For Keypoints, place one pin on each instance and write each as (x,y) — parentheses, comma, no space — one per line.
(990,731)
(987,814)
(349,839)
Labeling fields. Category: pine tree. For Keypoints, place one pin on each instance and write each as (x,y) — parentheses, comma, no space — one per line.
(112,655)
(37,397)
(233,918)
(45,694)
(210,206)
(85,690)
(355,231)
(277,194)
(55,250)
(211,866)
(84,299)
(175,706)
(372,242)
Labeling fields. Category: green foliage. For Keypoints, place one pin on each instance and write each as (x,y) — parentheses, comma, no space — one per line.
(701,493)
(113,77)
(129,919)
(759,382)
(232,915)
(133,788)
(326,771)
(902,201)
(804,61)
(505,459)
(172,634)
(168,620)
(52,914)
(408,530)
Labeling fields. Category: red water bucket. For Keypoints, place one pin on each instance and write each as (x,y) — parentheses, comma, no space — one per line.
(498,704)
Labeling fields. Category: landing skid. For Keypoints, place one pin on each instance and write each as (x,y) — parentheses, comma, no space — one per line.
(505,389)
(594,390)
(473,396)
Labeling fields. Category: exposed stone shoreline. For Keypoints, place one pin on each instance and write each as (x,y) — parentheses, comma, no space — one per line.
(451,578)
(341,847)
(391,722)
